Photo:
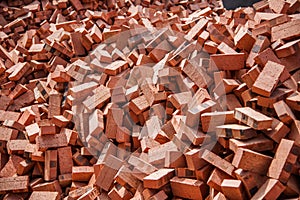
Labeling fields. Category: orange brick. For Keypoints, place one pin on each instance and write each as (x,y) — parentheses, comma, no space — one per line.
(251,181)
(50,172)
(7,134)
(44,195)
(126,178)
(218,162)
(19,90)
(96,34)
(65,179)
(287,30)
(119,193)
(196,29)
(266,56)
(293,101)
(19,70)
(279,6)
(90,195)
(224,61)
(285,157)
(250,160)
(226,86)
(277,95)
(233,189)
(70,134)
(76,193)
(52,186)
(284,112)
(261,43)
(235,131)
(24,167)
(76,44)
(210,47)
(250,77)
(101,96)
(244,39)
(210,121)
(82,90)
(218,36)
(139,104)
(278,132)
(65,161)
(253,118)
(216,178)
(27,117)
(259,144)
(11,167)
(82,173)
(193,113)
(182,53)
(204,173)
(51,141)
(194,160)
(9,115)
(185,173)
(15,184)
(147,143)
(271,189)
(16,146)
(287,49)
(108,171)
(47,128)
(156,155)
(189,188)
(174,159)
(60,121)
(141,165)
(158,179)
(225,49)
(96,123)
(269,78)
(219,196)
(159,52)
(54,103)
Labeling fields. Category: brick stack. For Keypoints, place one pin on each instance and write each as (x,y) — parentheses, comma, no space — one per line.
(140,99)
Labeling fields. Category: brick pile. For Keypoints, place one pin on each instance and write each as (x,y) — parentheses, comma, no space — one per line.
(149,99)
